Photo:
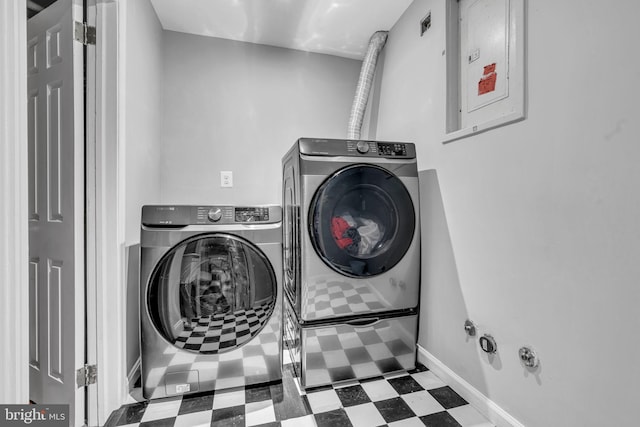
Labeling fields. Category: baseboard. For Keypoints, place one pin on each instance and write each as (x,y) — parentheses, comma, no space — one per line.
(482,403)
(134,373)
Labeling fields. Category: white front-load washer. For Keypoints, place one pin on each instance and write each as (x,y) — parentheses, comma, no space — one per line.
(210,297)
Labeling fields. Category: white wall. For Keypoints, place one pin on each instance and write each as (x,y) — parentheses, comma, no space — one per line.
(142,87)
(532,230)
(141,83)
(234,106)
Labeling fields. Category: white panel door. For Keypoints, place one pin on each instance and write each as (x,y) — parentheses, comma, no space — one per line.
(56,207)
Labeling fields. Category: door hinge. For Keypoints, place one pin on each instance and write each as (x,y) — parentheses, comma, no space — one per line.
(86,375)
(84,33)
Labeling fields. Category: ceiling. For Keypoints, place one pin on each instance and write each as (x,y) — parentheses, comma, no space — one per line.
(334,27)
(35,6)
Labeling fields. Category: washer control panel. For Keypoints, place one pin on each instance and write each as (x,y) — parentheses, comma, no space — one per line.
(213,214)
(174,216)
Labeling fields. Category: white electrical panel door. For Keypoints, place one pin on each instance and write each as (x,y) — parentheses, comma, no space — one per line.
(484,57)
(485,65)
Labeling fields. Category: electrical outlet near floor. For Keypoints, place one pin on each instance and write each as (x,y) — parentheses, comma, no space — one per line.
(226,179)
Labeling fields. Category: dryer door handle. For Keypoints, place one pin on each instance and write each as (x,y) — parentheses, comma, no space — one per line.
(363,322)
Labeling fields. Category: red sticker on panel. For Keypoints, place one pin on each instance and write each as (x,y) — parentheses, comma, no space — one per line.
(488,81)
(487,84)
(488,69)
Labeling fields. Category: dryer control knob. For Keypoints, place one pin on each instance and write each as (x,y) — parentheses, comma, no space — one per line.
(214,214)
(362,147)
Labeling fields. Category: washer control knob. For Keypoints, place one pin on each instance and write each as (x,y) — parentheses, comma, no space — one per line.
(214,214)
(362,147)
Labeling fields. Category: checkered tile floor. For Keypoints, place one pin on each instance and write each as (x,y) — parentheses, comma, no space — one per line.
(414,398)
(213,334)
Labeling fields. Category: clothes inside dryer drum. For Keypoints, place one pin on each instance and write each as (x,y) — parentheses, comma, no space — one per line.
(357,236)
(211,293)
(345,235)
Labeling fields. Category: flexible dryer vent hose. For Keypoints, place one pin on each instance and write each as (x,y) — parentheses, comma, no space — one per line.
(376,43)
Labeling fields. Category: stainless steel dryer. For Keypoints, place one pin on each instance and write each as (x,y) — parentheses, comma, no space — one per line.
(351,258)
(211,297)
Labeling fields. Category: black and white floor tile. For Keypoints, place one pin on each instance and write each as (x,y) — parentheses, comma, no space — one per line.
(414,398)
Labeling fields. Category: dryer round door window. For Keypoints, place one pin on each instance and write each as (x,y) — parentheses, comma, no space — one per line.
(362,220)
(211,293)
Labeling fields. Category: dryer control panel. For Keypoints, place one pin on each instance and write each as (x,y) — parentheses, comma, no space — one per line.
(183,215)
(356,148)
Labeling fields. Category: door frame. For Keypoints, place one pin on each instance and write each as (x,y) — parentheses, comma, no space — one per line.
(14,250)
(105,329)
(105,254)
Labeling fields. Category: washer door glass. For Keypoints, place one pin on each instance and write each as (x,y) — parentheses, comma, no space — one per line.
(361,221)
(211,293)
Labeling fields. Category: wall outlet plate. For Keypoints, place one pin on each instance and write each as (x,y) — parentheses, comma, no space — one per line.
(226,179)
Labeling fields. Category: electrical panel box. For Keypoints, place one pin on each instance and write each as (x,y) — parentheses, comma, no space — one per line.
(485,65)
